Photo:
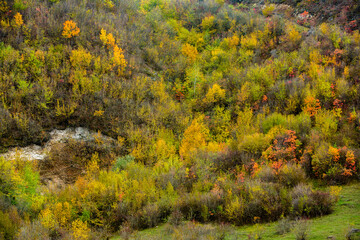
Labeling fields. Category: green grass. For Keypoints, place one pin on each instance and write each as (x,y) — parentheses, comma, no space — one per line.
(346,215)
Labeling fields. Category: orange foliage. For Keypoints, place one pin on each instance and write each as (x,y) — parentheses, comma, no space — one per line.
(284,148)
(312,106)
(70,29)
(334,152)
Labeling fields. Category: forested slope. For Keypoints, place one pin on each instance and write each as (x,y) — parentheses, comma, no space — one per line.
(222,112)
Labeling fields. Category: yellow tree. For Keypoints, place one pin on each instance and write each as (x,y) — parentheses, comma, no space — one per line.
(18,20)
(190,52)
(107,39)
(119,60)
(195,137)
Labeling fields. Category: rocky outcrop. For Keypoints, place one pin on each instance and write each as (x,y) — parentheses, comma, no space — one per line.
(36,152)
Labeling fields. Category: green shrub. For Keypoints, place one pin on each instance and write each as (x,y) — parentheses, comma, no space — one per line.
(291,175)
(122,162)
(326,124)
(302,229)
(275,119)
(266,201)
(301,124)
(310,203)
(234,210)
(284,226)
(255,143)
(175,217)
(200,206)
(148,217)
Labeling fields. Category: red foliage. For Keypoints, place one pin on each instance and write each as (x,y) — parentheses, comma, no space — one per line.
(284,149)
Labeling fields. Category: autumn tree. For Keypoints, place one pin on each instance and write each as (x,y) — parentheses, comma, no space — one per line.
(195,137)
(70,29)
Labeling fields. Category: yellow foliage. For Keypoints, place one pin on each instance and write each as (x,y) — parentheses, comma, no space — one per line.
(234,209)
(98,113)
(244,93)
(62,212)
(292,34)
(234,41)
(163,150)
(40,55)
(220,2)
(47,218)
(220,124)
(195,137)
(18,20)
(92,169)
(249,41)
(190,52)
(244,123)
(4,23)
(119,60)
(335,191)
(80,230)
(109,4)
(324,29)
(356,36)
(107,39)
(64,109)
(21,120)
(164,166)
(3,7)
(99,141)
(215,147)
(103,36)
(217,52)
(139,151)
(80,58)
(346,72)
(158,89)
(81,185)
(230,42)
(70,29)
(268,10)
(255,143)
(208,22)
(215,94)
(315,57)
(120,141)
(110,40)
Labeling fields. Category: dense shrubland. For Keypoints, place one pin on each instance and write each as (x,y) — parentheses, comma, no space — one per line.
(221,111)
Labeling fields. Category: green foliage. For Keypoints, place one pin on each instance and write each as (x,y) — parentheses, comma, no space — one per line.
(122,162)
(326,124)
(275,119)
(255,143)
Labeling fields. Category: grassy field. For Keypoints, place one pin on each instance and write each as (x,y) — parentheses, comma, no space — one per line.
(334,226)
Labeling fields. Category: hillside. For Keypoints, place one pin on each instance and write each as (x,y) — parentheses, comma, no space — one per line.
(122,115)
